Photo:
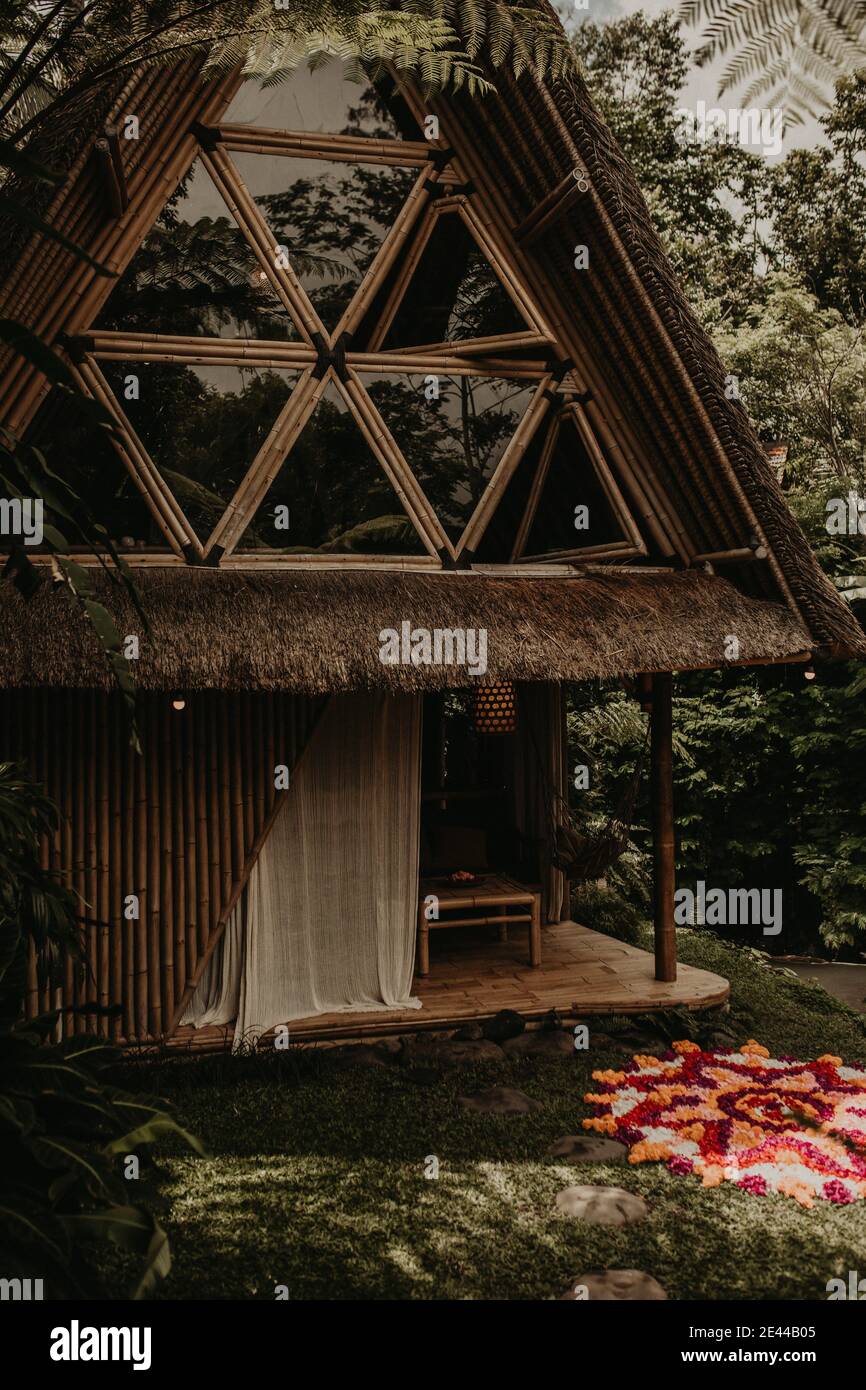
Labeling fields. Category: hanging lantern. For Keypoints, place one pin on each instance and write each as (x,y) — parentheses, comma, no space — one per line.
(496,708)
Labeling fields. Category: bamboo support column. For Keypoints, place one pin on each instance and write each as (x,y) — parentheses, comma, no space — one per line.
(663,826)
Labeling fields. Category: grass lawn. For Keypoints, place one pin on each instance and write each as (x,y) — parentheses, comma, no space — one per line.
(315,1178)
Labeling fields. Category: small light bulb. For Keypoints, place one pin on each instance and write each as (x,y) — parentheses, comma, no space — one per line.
(809,673)
(178,702)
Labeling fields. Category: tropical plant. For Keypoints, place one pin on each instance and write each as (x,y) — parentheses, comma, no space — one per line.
(789,52)
(67,1135)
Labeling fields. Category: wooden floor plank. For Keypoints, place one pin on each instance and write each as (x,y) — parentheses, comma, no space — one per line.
(471,976)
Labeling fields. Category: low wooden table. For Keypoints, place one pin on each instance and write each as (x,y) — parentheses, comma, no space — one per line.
(487,892)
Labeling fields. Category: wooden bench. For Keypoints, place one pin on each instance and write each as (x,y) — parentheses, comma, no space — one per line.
(483,903)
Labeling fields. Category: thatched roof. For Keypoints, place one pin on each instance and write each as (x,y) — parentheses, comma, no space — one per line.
(651,368)
(316,632)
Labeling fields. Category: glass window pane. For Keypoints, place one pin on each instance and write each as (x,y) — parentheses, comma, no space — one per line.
(195,272)
(331,218)
(202,426)
(336,97)
(332,495)
(452,431)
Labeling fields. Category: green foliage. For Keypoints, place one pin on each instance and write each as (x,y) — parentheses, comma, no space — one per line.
(789,52)
(65,1130)
(605,910)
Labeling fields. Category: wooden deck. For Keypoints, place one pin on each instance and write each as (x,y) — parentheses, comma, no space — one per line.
(473,976)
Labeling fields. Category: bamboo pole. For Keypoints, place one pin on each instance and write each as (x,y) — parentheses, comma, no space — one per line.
(237,809)
(361,149)
(202,826)
(91,855)
(249,762)
(164,851)
(154,840)
(516,448)
(538,481)
(191,777)
(664,869)
(249,218)
(141,928)
(225,807)
(400,476)
(475,347)
(386,257)
(176,722)
(744,555)
(267,463)
(107,927)
(129,927)
(404,361)
(423,232)
(215,890)
(606,478)
(139,464)
(552,207)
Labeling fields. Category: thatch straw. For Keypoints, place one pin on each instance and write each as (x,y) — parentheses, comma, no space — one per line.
(317,632)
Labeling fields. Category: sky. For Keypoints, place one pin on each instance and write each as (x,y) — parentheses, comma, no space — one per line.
(702,83)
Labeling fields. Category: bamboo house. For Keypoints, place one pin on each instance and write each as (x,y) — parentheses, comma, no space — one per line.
(412,427)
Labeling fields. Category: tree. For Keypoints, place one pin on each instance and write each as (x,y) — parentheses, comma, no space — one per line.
(790,52)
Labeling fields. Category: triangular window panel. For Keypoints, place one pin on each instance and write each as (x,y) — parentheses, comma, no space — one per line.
(201,427)
(451,294)
(197,273)
(327,219)
(82,454)
(331,495)
(452,431)
(334,97)
(574,504)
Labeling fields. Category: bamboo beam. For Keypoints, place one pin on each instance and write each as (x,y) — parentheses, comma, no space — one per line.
(277,446)
(552,207)
(191,776)
(111,169)
(107,930)
(163,853)
(177,720)
(397,470)
(154,945)
(349,149)
(517,446)
(202,830)
(744,555)
(139,465)
(386,256)
(540,478)
(91,854)
(475,347)
(259,235)
(606,478)
(406,362)
(141,881)
(401,281)
(664,867)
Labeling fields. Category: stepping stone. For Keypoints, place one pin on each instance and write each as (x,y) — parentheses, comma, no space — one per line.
(544,1042)
(505,1024)
(500,1100)
(581,1148)
(601,1206)
(614,1284)
(456,1051)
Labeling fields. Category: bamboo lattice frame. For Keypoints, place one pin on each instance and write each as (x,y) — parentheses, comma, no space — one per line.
(436,192)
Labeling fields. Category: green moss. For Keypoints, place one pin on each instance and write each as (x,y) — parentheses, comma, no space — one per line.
(316,1175)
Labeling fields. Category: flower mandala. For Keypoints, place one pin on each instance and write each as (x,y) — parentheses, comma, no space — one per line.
(768,1124)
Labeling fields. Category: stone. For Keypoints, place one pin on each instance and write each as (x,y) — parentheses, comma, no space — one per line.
(505,1024)
(392,1046)
(601,1206)
(541,1042)
(483,1051)
(500,1100)
(585,1148)
(470,1032)
(614,1285)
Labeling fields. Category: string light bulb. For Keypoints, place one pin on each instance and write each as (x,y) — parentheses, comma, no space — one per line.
(178,702)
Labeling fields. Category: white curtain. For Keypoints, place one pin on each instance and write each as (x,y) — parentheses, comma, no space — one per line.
(327,922)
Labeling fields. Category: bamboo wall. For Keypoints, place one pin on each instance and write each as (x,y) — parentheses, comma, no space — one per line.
(177,825)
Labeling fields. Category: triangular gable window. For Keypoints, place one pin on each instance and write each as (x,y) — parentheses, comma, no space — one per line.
(300,288)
